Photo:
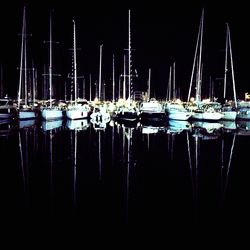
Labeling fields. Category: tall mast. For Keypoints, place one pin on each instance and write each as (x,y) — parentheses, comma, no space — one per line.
(225,71)
(25,63)
(90,90)
(169,83)
(74,50)
(198,84)
(113,78)
(174,92)
(149,82)
(33,83)
(100,73)
(21,60)
(50,59)
(129,57)
(124,77)
(194,62)
(232,66)
(119,88)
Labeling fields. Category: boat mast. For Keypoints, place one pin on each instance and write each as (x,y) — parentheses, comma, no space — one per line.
(113,78)
(225,71)
(129,57)
(198,84)
(25,64)
(90,90)
(174,92)
(50,60)
(149,82)
(33,83)
(21,60)
(124,77)
(100,73)
(232,67)
(194,63)
(169,83)
(74,50)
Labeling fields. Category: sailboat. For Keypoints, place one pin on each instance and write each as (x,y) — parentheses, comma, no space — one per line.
(151,109)
(25,111)
(77,110)
(100,114)
(175,108)
(51,112)
(7,106)
(128,110)
(201,110)
(7,109)
(229,108)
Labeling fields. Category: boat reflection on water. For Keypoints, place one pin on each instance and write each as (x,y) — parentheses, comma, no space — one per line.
(176,126)
(7,127)
(228,126)
(80,124)
(126,173)
(27,123)
(243,127)
(226,166)
(210,127)
(128,163)
(152,126)
(127,123)
(74,157)
(51,124)
(28,153)
(97,125)
(207,130)
(151,129)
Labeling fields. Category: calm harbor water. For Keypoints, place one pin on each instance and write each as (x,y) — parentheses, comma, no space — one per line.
(176,173)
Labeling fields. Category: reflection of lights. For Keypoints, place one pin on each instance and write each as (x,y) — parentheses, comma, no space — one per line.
(111,123)
(192,99)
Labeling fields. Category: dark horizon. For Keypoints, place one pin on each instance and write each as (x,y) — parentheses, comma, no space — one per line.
(161,34)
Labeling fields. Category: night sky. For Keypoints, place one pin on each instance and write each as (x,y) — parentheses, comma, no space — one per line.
(162,33)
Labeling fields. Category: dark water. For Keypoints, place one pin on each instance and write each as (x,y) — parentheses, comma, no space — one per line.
(179,175)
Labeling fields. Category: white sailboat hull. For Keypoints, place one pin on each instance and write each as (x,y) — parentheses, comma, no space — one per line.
(77,114)
(179,115)
(229,115)
(27,114)
(176,111)
(52,114)
(212,116)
